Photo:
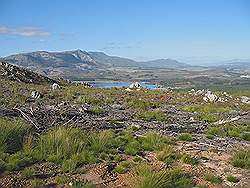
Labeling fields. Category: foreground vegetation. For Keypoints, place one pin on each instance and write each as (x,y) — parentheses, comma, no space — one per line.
(141,136)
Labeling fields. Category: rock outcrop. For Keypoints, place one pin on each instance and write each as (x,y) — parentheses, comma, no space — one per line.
(12,72)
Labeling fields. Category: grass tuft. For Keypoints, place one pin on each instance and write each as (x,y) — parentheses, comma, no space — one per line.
(241,159)
(185,137)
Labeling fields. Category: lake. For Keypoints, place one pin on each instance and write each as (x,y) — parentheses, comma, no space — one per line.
(111,84)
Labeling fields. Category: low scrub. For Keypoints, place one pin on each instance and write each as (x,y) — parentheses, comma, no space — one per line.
(148,178)
(124,166)
(241,131)
(12,133)
(232,179)
(186,158)
(207,108)
(167,155)
(213,179)
(241,159)
(185,137)
(141,104)
(153,141)
(156,115)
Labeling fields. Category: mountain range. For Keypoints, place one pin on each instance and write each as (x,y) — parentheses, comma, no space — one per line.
(78,62)
(82,60)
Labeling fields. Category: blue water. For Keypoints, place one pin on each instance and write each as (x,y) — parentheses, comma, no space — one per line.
(103,84)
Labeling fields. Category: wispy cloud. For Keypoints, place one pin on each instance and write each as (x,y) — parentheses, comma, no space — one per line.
(24,31)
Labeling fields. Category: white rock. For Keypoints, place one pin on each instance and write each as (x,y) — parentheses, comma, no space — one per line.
(135,85)
(35,94)
(55,86)
(245,99)
(209,96)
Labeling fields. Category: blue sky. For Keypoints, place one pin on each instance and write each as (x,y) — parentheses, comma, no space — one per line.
(138,29)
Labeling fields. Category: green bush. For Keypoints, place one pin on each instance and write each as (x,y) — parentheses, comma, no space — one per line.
(213,179)
(245,136)
(241,159)
(2,165)
(36,183)
(142,104)
(207,108)
(69,165)
(148,178)
(152,115)
(12,133)
(63,142)
(186,158)
(124,166)
(18,160)
(153,141)
(185,137)
(232,179)
(62,179)
(230,130)
(210,118)
(97,110)
(100,142)
(132,148)
(27,173)
(167,155)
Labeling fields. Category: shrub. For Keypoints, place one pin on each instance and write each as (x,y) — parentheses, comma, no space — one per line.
(153,141)
(210,136)
(63,142)
(2,165)
(152,115)
(62,179)
(213,131)
(99,142)
(206,108)
(241,159)
(36,183)
(189,160)
(210,118)
(141,104)
(232,179)
(132,148)
(167,155)
(12,133)
(185,137)
(27,173)
(97,110)
(124,166)
(245,136)
(137,159)
(18,160)
(148,178)
(213,179)
(69,165)
(230,130)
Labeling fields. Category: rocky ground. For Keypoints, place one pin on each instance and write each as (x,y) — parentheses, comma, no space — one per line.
(206,118)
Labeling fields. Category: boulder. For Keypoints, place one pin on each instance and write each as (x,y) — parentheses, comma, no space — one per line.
(55,86)
(210,97)
(135,85)
(245,99)
(35,95)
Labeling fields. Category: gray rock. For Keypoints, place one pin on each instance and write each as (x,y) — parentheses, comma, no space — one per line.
(35,95)
(135,85)
(245,100)
(210,97)
(55,86)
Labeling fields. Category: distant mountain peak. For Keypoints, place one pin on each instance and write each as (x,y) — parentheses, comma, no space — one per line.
(79,60)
